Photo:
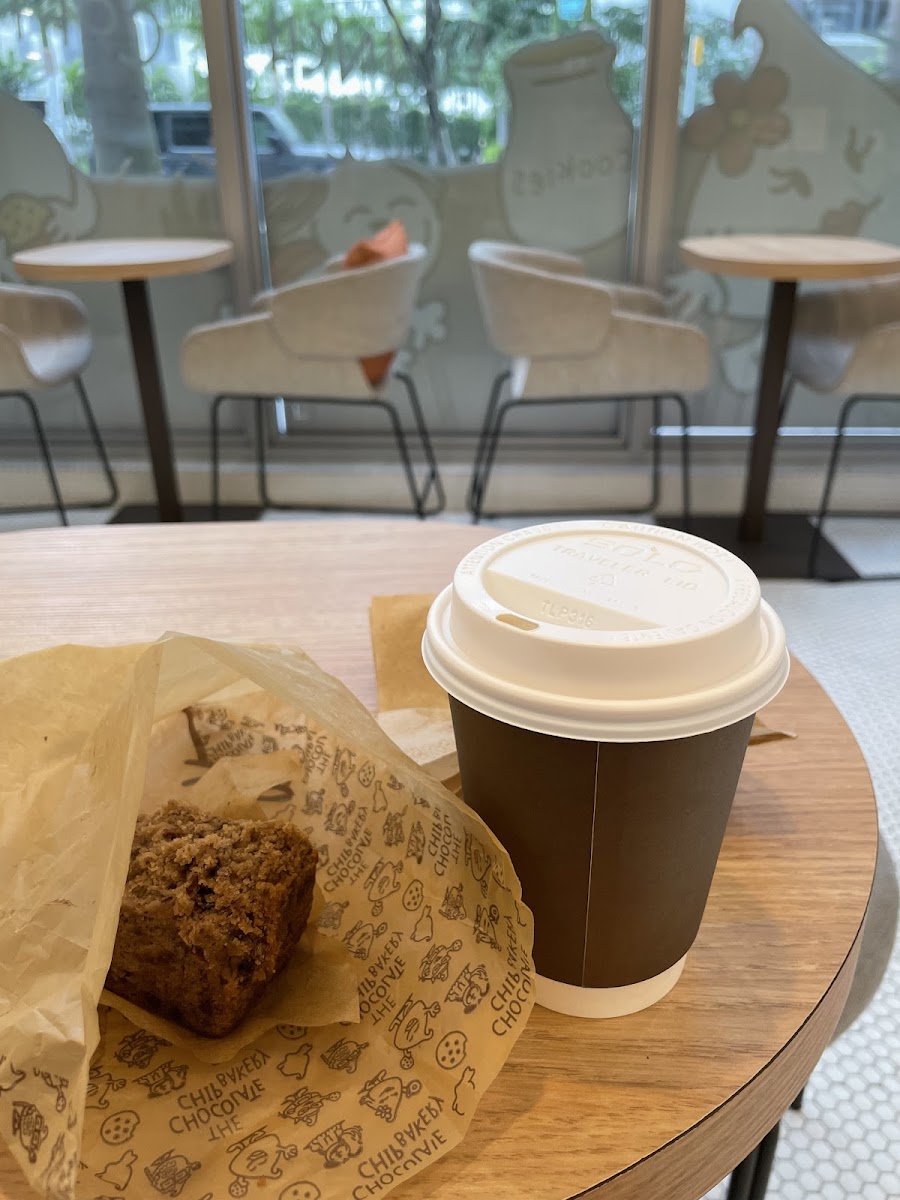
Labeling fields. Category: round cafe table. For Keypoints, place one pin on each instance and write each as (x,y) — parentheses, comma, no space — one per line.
(663,1103)
(132,262)
(785,259)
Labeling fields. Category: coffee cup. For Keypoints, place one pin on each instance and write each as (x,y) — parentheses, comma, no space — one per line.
(603,678)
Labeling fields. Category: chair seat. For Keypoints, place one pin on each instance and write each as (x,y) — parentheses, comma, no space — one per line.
(819,362)
(42,361)
(245,357)
(867,365)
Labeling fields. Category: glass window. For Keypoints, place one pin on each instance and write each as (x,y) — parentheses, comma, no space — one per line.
(191,130)
(104,124)
(465,119)
(785,129)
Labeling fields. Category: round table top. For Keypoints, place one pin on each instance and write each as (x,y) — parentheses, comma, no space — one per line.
(661,1103)
(791,256)
(122,258)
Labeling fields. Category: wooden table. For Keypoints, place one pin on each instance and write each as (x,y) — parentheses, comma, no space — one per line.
(659,1104)
(131,262)
(785,260)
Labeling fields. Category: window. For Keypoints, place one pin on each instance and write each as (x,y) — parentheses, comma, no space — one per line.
(191,130)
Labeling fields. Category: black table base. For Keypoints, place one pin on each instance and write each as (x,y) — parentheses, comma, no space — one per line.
(783,555)
(148,514)
(153,403)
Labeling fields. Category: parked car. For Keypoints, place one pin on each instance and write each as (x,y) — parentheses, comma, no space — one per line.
(185,142)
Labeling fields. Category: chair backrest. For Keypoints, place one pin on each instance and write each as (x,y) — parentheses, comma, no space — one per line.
(534,302)
(353,313)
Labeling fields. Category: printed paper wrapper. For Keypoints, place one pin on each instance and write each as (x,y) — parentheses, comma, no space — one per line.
(413,709)
(414,886)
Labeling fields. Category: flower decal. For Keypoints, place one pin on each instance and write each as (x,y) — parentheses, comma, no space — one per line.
(745,114)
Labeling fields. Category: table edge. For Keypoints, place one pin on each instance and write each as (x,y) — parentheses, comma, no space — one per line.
(39,272)
(751,1132)
(789,271)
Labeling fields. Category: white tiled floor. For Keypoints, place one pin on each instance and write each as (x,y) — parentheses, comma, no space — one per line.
(845,1144)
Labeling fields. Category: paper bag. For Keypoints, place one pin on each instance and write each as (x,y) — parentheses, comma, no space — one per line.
(414,886)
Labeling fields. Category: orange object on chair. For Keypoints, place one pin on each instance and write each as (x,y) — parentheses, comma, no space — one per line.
(389,242)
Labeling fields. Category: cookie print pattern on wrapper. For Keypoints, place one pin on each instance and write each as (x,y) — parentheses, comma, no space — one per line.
(304,1190)
(296,1064)
(383,1094)
(58,1084)
(138,1048)
(119,1128)
(29,1126)
(344,1055)
(169,1172)
(413,896)
(411,1027)
(305,1105)
(260,1155)
(338,1144)
(119,1171)
(451,1049)
(10,1076)
(304,1112)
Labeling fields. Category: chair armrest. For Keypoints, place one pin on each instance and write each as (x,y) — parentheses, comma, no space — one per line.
(644,301)
(676,355)
(555,261)
(535,315)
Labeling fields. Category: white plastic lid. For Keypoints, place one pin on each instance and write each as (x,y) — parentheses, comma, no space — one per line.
(606,631)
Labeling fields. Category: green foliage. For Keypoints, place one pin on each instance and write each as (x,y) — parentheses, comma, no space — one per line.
(199,86)
(74,100)
(17,75)
(378,124)
(161,87)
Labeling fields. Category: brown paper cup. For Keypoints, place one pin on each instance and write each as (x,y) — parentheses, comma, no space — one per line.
(603,679)
(615,846)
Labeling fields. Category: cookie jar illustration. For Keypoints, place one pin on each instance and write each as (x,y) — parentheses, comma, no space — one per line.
(566,166)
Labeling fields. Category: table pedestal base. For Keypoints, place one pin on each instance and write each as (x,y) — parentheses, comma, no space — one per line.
(148,514)
(783,555)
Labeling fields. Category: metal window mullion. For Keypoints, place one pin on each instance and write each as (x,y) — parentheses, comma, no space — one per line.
(653,186)
(237,175)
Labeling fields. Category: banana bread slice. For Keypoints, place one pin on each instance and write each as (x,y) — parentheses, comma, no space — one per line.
(212,911)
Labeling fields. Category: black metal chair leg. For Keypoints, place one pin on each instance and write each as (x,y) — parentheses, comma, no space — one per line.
(846,408)
(685,460)
(214,454)
(490,454)
(403,450)
(765,1157)
(786,394)
(741,1183)
(493,401)
(259,414)
(434,476)
(97,439)
(656,452)
(45,451)
(797,1102)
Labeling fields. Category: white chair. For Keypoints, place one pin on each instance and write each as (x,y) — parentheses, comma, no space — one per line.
(45,340)
(304,342)
(846,342)
(572,339)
